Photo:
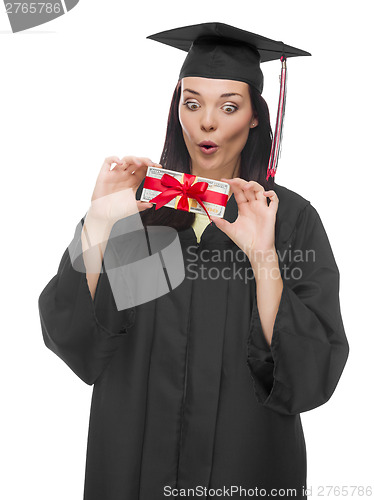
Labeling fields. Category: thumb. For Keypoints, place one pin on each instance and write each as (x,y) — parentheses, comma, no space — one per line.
(222,224)
(143,205)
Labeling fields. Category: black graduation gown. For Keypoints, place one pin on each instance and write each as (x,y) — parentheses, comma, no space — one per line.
(186,391)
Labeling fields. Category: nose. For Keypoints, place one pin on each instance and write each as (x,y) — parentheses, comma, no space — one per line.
(208,121)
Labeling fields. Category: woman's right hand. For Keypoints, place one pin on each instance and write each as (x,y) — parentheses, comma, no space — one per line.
(114,195)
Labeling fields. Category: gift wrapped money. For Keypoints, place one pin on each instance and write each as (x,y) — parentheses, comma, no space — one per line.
(185,192)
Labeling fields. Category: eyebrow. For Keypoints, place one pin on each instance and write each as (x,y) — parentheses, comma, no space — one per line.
(228,94)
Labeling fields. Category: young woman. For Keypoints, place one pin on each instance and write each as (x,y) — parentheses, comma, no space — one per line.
(203,386)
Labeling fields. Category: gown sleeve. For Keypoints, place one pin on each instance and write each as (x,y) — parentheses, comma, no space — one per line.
(84,333)
(309,349)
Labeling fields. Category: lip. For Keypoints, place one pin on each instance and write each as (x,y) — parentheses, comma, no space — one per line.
(208,143)
(210,150)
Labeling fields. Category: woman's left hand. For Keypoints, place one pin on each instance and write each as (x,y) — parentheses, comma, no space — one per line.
(254,229)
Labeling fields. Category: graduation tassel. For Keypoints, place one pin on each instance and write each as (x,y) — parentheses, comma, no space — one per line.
(276,145)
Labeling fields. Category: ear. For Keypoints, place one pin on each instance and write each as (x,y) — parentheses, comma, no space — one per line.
(254,122)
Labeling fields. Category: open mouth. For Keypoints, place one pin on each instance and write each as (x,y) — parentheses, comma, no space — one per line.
(208,148)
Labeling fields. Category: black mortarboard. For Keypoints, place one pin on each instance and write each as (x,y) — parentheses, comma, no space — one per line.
(218,50)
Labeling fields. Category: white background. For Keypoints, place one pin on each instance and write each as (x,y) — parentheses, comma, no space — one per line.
(89,85)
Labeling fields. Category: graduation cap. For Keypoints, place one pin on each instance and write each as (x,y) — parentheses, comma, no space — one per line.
(218,50)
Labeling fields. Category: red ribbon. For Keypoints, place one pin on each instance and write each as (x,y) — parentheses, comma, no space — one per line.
(197,191)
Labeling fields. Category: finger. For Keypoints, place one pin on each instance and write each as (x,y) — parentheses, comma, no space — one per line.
(256,186)
(242,182)
(236,186)
(253,191)
(131,161)
(138,165)
(222,224)
(237,181)
(139,160)
(271,194)
(274,200)
(135,169)
(109,161)
(149,162)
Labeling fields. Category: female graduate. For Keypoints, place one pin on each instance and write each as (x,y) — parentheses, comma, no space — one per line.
(198,390)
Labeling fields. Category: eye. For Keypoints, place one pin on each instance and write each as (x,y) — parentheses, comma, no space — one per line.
(192,103)
(231,106)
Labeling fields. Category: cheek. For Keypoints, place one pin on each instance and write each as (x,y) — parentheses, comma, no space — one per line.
(239,130)
(186,122)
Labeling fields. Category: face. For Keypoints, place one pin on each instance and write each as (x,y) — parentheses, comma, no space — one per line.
(219,111)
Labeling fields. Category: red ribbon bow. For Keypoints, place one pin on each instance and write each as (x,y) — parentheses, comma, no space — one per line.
(186,190)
